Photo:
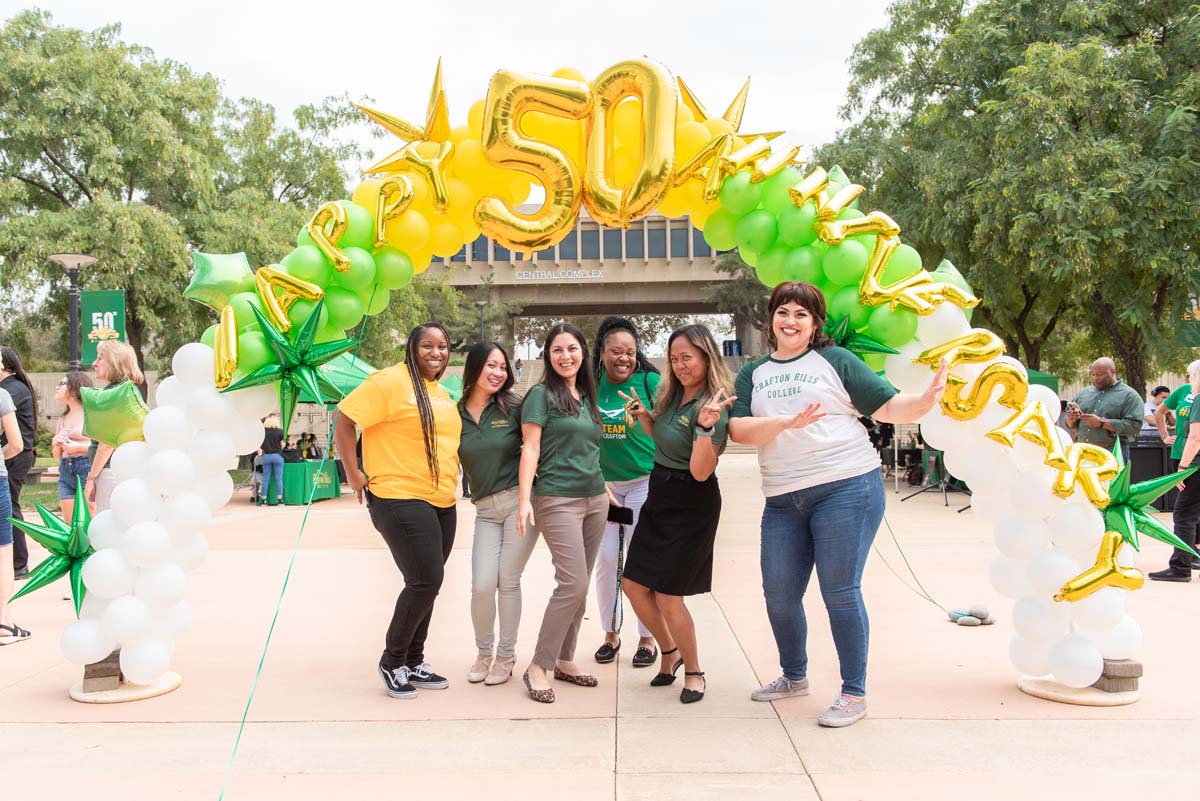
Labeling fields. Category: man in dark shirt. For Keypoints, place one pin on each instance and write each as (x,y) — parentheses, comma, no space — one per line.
(14,381)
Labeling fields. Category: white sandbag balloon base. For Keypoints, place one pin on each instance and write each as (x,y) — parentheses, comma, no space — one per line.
(1050,690)
(167,682)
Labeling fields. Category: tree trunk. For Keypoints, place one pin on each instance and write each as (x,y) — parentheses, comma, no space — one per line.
(1131,348)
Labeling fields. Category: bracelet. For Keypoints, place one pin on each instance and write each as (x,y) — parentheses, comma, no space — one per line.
(705,432)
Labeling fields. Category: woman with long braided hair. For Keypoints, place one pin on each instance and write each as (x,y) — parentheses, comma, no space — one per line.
(410,434)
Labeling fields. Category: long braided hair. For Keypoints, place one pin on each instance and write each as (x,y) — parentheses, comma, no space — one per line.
(607,326)
(424,408)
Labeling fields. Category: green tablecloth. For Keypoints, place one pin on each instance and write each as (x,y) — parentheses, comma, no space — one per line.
(299,478)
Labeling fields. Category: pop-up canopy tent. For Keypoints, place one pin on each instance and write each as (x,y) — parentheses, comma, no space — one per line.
(1045,379)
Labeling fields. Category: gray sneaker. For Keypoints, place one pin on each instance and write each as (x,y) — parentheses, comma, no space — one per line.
(845,711)
(782,687)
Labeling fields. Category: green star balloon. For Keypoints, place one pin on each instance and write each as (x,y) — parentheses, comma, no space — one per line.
(114,414)
(839,331)
(296,363)
(67,543)
(454,386)
(1129,512)
(217,277)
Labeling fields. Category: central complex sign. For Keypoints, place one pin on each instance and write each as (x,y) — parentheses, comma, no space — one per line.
(558,275)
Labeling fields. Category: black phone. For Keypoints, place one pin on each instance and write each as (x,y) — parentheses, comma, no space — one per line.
(621,515)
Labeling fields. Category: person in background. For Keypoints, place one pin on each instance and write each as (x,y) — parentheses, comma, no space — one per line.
(1157,396)
(314,450)
(10,632)
(116,363)
(410,437)
(271,452)
(626,458)
(16,383)
(490,452)
(518,366)
(1186,443)
(1109,410)
(70,445)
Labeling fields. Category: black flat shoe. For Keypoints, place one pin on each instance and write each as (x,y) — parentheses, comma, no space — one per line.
(667,679)
(1171,575)
(644,657)
(607,652)
(687,696)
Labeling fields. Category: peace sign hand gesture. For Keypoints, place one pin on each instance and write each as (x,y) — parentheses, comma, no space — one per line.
(710,413)
(810,414)
(633,406)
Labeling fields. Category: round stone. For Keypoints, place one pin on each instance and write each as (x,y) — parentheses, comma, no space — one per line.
(969,620)
(980,611)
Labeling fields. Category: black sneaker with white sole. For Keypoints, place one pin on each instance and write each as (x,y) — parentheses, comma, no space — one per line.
(423,676)
(397,682)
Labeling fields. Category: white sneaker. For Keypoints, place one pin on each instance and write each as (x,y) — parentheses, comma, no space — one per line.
(782,687)
(845,711)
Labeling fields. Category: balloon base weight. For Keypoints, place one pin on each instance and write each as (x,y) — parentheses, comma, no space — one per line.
(1050,690)
(124,692)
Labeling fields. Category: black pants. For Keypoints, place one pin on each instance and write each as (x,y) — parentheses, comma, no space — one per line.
(18,471)
(420,537)
(1187,522)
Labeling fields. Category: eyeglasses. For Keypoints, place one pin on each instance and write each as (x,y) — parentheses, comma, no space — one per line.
(63,383)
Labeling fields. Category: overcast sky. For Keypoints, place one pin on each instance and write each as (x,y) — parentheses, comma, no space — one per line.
(299,52)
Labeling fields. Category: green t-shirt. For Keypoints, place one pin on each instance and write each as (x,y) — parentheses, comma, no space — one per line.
(490,450)
(625,453)
(675,431)
(569,463)
(1180,402)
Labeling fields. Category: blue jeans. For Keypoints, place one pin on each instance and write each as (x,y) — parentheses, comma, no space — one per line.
(6,528)
(272,465)
(832,527)
(70,469)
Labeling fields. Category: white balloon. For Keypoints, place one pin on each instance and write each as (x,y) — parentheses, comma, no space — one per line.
(108,574)
(216,490)
(904,375)
(170,622)
(84,642)
(1027,456)
(1032,494)
(133,501)
(193,364)
(146,660)
(1040,621)
(210,410)
(1122,641)
(947,322)
(93,606)
(146,544)
(989,505)
(126,619)
(1076,662)
(1047,396)
(984,468)
(247,435)
(163,585)
(1011,362)
(1099,611)
(131,460)
(168,427)
(1020,539)
(1008,577)
(192,554)
(171,472)
(1064,436)
(938,430)
(1031,658)
(184,515)
(1126,557)
(170,392)
(213,451)
(255,402)
(105,530)
(1076,526)
(1049,570)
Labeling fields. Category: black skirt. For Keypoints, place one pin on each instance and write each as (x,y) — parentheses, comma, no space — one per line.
(672,548)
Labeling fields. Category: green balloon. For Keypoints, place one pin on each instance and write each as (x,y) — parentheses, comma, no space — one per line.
(299,311)
(113,414)
(803,264)
(308,263)
(303,239)
(757,231)
(892,328)
(796,224)
(217,277)
(738,195)
(360,275)
(844,303)
(770,273)
(241,304)
(329,334)
(360,227)
(772,262)
(253,352)
(850,213)
(749,257)
(845,264)
(905,261)
(209,337)
(379,301)
(875,361)
(345,307)
(393,268)
(718,230)
(777,194)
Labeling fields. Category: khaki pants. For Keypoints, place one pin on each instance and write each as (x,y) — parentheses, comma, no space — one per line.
(572,529)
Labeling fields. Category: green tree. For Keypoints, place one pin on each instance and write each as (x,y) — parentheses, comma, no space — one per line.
(743,296)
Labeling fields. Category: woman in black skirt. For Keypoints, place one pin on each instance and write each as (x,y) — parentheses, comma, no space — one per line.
(671,552)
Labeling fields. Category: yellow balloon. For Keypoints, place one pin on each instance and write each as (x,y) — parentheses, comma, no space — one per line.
(683,113)
(470,229)
(674,204)
(365,193)
(462,198)
(408,232)
(570,74)
(717,126)
(445,238)
(689,138)
(460,134)
(519,189)
(624,165)
(475,119)
(422,199)
(420,259)
(627,120)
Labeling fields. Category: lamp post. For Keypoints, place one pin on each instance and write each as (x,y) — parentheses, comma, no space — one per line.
(73,263)
(481,304)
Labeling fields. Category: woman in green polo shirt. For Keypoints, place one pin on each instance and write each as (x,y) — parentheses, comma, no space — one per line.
(626,457)
(490,452)
(560,483)
(672,554)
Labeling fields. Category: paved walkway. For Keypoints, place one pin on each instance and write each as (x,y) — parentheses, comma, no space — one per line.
(946,718)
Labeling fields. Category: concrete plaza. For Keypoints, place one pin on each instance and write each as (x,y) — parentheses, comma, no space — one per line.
(946,719)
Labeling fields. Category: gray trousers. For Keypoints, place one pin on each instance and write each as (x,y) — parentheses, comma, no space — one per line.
(498,557)
(572,528)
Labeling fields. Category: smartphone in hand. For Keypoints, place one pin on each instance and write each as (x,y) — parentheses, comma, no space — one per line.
(621,515)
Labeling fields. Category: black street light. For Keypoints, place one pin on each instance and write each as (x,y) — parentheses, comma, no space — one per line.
(73,263)
(482,334)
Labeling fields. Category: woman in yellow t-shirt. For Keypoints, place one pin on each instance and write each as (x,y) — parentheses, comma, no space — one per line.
(410,432)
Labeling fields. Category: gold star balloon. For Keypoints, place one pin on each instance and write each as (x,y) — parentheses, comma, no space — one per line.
(732,115)
(67,543)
